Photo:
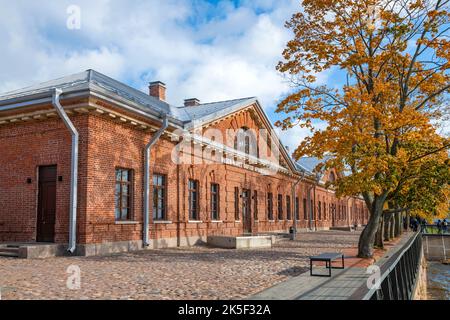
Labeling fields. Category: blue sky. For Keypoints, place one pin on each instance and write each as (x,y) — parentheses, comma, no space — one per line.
(211,50)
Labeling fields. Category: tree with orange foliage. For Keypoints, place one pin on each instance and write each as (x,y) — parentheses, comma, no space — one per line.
(422,187)
(427,193)
(395,57)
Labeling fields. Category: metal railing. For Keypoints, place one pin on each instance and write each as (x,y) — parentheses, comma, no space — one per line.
(398,275)
(434,229)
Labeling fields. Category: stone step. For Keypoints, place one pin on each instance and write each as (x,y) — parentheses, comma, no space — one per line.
(11,254)
(9,249)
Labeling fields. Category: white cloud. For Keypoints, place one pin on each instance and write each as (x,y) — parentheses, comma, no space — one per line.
(201,50)
(293,136)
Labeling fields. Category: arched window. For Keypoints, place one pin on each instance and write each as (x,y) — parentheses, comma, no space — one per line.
(247,144)
(245,141)
(332,177)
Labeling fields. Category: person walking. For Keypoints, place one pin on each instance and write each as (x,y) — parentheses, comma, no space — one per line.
(438,225)
(423,225)
(444,226)
(414,224)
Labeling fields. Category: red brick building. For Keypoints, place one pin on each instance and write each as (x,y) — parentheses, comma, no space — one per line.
(241,191)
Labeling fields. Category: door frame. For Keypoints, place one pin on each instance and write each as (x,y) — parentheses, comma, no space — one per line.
(38,200)
(247,219)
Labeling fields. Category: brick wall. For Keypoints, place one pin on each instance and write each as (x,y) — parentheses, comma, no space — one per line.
(106,144)
(25,147)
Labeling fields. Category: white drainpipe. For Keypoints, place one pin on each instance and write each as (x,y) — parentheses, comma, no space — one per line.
(147,158)
(73,170)
(295,203)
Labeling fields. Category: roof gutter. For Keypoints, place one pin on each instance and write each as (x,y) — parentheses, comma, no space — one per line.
(73,169)
(94,90)
(147,158)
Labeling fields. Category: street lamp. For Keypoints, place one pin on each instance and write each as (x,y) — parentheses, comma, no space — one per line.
(313,207)
(349,211)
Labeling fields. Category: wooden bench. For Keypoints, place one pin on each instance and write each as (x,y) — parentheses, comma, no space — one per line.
(328,258)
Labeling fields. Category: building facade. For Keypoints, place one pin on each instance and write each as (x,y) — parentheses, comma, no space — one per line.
(200,183)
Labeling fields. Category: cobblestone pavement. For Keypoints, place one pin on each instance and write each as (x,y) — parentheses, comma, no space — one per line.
(181,273)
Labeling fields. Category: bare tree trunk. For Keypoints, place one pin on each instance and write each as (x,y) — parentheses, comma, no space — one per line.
(379,234)
(390,221)
(388,227)
(398,224)
(386,224)
(392,227)
(407,220)
(367,237)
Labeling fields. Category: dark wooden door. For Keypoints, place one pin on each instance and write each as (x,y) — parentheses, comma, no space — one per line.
(246,211)
(46,204)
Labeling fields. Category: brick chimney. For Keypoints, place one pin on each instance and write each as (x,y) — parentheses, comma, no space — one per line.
(191,102)
(157,89)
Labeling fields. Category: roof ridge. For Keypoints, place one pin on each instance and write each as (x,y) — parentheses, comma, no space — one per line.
(121,85)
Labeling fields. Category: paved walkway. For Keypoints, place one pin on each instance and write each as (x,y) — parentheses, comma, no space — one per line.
(185,273)
(340,286)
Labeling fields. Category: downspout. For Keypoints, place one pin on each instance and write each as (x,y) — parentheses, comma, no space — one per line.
(310,207)
(315,209)
(147,158)
(73,170)
(316,183)
(349,212)
(296,205)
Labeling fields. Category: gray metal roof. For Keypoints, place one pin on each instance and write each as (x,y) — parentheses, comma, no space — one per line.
(87,80)
(75,80)
(91,79)
(309,163)
(95,82)
(210,111)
